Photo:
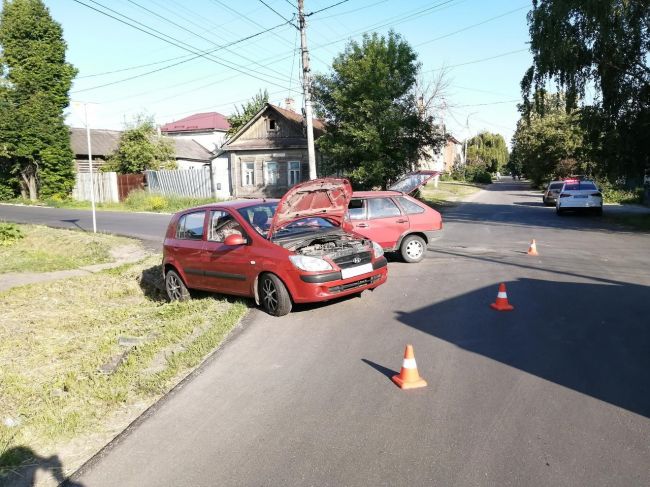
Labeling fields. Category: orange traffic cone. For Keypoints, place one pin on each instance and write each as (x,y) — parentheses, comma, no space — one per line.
(409,378)
(532,249)
(501,304)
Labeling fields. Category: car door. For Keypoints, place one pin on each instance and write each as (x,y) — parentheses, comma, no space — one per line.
(228,269)
(380,219)
(188,245)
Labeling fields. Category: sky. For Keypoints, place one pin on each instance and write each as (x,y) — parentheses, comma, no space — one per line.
(183,57)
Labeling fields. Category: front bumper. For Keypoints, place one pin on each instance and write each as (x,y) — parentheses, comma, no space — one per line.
(308,288)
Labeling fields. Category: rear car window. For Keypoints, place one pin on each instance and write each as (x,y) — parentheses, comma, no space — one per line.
(582,185)
(410,207)
(556,186)
(190,226)
(357,210)
(382,208)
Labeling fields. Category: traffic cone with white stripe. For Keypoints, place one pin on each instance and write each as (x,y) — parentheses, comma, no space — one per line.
(502,304)
(532,249)
(409,378)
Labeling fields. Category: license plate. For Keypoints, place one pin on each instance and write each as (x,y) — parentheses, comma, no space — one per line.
(356,271)
(580,196)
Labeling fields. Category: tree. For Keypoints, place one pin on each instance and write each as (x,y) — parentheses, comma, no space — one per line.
(239,119)
(551,143)
(487,150)
(375,129)
(141,148)
(602,44)
(35,81)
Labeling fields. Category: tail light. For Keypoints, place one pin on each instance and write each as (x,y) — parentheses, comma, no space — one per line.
(600,195)
(564,195)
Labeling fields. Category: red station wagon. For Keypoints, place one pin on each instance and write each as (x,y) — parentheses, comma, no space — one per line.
(279,252)
(395,220)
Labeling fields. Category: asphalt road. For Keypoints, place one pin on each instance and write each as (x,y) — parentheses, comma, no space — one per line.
(555,392)
(149,227)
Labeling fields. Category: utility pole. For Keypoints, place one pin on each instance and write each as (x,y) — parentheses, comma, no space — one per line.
(306,86)
(79,104)
(465,144)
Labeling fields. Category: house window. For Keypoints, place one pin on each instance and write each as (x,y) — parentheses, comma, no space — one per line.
(294,173)
(248,173)
(273,124)
(271,173)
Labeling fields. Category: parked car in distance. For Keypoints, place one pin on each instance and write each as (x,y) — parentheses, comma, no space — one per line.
(552,192)
(579,194)
(394,219)
(280,252)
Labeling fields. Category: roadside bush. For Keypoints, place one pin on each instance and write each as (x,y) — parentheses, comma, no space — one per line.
(9,233)
(141,200)
(615,195)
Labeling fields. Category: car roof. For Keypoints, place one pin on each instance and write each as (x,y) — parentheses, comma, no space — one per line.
(375,194)
(234,204)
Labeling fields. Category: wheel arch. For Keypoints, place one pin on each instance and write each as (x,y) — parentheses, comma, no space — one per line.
(416,233)
(256,292)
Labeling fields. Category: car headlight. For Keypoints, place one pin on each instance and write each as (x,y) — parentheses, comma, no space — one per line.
(377,250)
(311,264)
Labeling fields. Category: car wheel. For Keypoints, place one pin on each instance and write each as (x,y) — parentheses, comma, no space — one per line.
(413,249)
(274,296)
(175,287)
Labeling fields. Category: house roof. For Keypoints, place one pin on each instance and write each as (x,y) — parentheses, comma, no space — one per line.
(199,122)
(190,149)
(104,142)
(319,128)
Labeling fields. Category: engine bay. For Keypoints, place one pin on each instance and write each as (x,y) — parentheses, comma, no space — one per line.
(332,245)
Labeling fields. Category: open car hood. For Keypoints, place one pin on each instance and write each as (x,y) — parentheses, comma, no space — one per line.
(412,181)
(326,197)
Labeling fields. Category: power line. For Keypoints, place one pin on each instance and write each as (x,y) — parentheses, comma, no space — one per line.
(490,103)
(326,8)
(173,41)
(475,61)
(199,35)
(274,11)
(473,25)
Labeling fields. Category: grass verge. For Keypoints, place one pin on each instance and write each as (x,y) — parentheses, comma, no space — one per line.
(448,193)
(138,200)
(43,249)
(56,337)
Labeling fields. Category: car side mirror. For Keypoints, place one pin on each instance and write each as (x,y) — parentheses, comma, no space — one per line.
(234,240)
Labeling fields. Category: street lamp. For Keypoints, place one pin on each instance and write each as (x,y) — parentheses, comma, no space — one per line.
(90,159)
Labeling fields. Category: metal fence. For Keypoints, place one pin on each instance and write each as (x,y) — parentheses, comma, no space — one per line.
(105,187)
(180,183)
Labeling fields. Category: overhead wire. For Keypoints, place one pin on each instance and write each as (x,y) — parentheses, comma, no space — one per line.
(273,10)
(165,38)
(199,35)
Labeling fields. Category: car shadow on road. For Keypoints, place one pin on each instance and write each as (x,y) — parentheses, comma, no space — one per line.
(592,338)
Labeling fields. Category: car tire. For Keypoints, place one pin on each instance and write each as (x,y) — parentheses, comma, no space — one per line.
(413,249)
(274,297)
(559,211)
(599,211)
(175,287)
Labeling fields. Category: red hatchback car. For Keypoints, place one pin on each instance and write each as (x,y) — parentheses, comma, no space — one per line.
(280,252)
(395,220)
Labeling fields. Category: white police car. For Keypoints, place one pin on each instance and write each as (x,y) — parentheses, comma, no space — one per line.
(579,194)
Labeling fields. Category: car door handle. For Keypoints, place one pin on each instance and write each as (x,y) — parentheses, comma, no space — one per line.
(362,225)
(402,221)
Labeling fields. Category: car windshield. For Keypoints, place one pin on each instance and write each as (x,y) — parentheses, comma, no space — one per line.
(260,217)
(305,225)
